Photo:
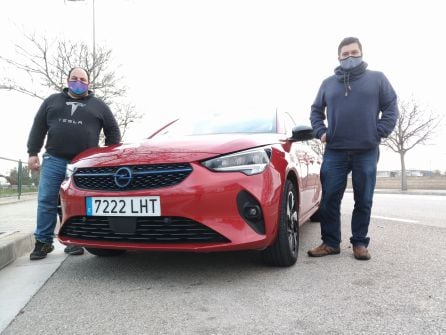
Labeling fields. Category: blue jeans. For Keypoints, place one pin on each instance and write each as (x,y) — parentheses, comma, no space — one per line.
(52,174)
(336,166)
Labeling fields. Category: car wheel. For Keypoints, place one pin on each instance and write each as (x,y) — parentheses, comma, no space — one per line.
(283,252)
(105,252)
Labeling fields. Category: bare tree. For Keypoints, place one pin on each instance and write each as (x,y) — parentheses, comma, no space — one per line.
(318,147)
(125,115)
(414,126)
(40,66)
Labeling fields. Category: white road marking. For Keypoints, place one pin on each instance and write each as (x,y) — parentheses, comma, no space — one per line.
(393,219)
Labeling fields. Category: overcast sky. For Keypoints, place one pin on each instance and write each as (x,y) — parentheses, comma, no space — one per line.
(184,57)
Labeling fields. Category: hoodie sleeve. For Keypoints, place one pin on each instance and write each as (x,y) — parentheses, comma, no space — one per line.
(389,108)
(38,131)
(111,128)
(317,115)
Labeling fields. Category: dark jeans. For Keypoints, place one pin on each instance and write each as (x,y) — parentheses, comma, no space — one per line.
(336,166)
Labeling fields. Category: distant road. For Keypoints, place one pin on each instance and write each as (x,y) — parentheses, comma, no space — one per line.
(419,209)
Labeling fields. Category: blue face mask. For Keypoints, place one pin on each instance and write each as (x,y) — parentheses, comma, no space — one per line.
(77,87)
(350,62)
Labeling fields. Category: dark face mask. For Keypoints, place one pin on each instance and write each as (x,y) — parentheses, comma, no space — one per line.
(77,87)
(350,62)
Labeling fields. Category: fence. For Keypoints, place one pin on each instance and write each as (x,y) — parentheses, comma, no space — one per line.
(16,179)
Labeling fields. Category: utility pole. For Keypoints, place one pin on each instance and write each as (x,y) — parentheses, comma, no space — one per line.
(93,70)
(93,74)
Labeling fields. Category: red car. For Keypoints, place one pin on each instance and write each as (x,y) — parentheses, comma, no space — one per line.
(212,184)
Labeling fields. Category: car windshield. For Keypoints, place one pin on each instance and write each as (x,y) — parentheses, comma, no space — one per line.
(221,124)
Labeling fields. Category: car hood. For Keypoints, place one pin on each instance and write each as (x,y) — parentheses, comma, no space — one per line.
(179,149)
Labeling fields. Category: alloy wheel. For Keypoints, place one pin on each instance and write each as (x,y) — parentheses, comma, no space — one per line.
(292,224)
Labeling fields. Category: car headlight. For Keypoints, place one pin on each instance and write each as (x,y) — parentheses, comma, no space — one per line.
(248,162)
(69,171)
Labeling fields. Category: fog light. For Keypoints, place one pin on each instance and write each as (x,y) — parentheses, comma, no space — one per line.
(251,211)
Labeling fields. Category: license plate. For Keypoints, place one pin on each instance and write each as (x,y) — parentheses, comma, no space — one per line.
(124,206)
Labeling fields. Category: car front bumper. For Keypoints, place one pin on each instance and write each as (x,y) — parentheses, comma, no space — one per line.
(208,199)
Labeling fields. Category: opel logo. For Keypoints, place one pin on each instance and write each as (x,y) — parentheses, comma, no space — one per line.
(123,177)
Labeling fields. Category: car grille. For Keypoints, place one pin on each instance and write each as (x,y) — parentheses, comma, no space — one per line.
(139,177)
(148,230)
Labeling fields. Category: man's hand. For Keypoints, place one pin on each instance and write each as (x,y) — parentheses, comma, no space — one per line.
(324,138)
(34,163)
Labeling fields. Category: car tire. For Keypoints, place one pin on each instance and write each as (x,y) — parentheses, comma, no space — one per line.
(285,249)
(105,252)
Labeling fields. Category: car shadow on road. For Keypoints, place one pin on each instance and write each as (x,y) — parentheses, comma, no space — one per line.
(218,267)
(182,268)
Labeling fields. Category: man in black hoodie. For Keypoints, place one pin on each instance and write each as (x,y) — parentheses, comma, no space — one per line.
(361,108)
(71,121)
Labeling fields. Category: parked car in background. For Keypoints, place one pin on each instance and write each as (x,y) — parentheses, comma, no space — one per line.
(214,183)
(4,182)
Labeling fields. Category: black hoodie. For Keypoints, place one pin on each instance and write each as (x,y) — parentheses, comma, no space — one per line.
(72,125)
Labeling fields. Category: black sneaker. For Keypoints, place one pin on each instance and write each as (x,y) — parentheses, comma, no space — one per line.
(41,250)
(74,250)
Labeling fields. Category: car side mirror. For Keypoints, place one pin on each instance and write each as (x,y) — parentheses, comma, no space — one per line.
(302,133)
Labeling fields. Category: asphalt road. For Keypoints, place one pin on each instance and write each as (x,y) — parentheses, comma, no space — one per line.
(401,290)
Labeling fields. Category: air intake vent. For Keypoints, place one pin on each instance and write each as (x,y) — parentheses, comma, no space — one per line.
(134,177)
(147,230)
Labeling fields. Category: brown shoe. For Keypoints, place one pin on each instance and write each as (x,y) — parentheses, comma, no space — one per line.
(360,252)
(323,250)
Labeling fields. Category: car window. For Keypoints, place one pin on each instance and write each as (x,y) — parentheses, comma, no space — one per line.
(221,124)
(288,124)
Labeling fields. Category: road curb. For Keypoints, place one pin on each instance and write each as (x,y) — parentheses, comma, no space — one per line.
(14,245)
